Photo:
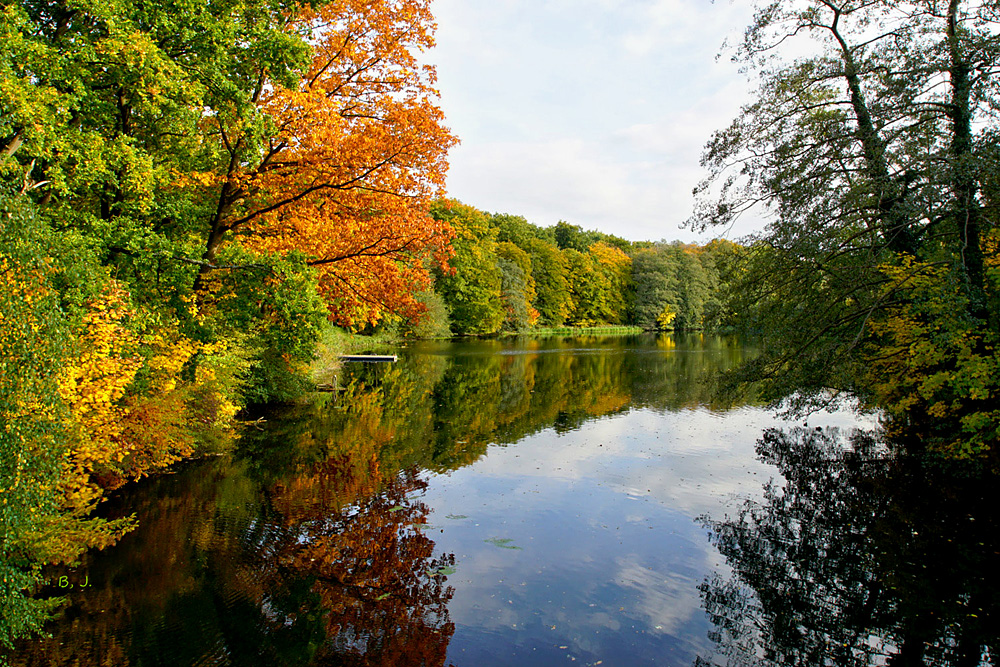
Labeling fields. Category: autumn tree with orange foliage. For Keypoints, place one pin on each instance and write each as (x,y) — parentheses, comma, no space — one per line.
(230,147)
(358,150)
(200,176)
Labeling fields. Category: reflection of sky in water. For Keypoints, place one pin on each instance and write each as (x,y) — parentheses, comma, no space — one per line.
(608,556)
(575,544)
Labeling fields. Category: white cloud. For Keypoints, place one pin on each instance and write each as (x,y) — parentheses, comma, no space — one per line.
(589,111)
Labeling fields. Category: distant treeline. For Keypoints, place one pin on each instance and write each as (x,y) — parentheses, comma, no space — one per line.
(509,275)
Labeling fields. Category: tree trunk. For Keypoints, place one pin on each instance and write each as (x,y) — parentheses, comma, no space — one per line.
(892,218)
(968,219)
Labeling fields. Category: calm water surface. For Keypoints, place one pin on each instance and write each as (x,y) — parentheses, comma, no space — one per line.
(540,502)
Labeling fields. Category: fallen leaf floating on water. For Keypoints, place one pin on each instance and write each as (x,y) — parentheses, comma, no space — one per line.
(503,543)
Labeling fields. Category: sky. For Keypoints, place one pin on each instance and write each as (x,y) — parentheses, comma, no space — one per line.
(590,111)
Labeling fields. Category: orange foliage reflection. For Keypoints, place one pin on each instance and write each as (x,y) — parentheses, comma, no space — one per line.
(381,586)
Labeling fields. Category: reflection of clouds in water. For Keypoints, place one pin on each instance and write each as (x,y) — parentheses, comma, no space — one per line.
(604,516)
(571,572)
(665,602)
(695,461)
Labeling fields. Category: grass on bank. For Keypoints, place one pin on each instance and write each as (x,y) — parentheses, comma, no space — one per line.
(607,330)
(335,342)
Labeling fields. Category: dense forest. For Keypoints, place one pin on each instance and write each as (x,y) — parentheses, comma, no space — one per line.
(187,193)
(508,275)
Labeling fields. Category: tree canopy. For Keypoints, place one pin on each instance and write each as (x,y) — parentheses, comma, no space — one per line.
(186,192)
(874,159)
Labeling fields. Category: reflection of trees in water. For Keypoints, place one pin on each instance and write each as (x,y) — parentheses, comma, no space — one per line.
(213,577)
(378,583)
(860,558)
(684,373)
(305,547)
(486,391)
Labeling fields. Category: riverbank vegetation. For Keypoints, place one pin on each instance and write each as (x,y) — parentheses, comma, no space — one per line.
(508,275)
(186,194)
(876,161)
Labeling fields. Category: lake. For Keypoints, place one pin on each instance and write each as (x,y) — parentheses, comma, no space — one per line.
(541,502)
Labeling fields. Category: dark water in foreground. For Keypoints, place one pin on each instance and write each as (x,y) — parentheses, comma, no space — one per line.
(542,502)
